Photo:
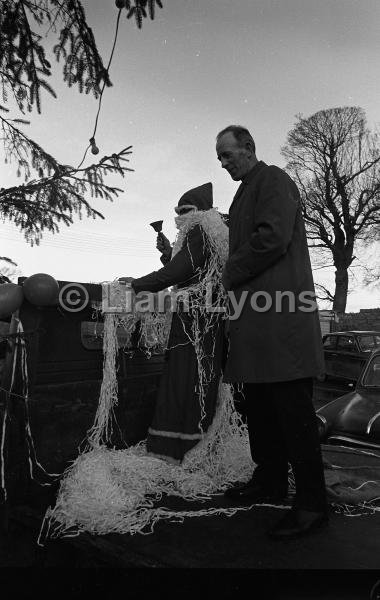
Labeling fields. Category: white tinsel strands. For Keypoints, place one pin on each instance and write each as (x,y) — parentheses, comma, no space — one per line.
(154,331)
(207,298)
(108,490)
(102,428)
(115,490)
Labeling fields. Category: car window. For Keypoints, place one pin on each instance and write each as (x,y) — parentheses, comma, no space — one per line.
(369,342)
(329,342)
(346,343)
(372,373)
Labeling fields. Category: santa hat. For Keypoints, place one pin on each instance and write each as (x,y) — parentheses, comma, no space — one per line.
(200,197)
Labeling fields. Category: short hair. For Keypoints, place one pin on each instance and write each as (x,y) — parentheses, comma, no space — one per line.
(240,133)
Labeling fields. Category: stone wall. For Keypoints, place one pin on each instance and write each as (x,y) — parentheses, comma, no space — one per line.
(365,319)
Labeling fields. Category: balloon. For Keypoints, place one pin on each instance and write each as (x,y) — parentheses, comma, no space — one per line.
(11,297)
(41,289)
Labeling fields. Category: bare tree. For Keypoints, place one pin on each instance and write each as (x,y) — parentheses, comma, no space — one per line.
(335,160)
(371,268)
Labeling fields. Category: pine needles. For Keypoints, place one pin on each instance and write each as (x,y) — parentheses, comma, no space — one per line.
(52,193)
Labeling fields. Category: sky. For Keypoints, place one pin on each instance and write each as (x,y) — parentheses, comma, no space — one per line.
(198,67)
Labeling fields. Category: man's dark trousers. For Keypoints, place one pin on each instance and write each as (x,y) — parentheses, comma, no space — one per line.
(283,429)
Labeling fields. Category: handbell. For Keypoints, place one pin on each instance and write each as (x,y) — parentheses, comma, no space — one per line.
(157,226)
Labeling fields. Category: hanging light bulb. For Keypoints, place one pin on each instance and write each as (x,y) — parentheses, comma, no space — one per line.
(21,94)
(94,148)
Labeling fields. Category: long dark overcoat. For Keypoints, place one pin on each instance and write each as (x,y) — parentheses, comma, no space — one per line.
(268,256)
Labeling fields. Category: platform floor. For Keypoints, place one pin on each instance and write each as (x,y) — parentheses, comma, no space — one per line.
(218,554)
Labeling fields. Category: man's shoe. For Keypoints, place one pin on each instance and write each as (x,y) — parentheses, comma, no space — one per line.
(298,522)
(255,493)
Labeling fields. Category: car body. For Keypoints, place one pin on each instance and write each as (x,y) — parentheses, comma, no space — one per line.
(346,352)
(354,418)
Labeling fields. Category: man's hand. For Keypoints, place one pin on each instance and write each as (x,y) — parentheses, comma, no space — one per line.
(163,245)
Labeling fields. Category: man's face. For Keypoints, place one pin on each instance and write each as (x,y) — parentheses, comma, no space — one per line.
(236,159)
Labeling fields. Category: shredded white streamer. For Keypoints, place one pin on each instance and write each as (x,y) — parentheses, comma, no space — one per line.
(108,490)
(116,490)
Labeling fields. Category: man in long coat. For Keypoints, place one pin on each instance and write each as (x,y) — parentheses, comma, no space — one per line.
(274,335)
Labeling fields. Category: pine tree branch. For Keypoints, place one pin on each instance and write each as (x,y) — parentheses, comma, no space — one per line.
(8,260)
(58,193)
(83,64)
(44,204)
(26,152)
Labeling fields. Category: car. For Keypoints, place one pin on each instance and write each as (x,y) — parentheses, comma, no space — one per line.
(354,418)
(346,353)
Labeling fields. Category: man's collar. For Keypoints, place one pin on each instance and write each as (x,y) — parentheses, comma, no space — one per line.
(248,176)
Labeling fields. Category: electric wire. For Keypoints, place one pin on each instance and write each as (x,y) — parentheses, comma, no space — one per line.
(102,90)
(121,245)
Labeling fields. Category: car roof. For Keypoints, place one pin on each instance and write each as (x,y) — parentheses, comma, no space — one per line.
(355,331)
